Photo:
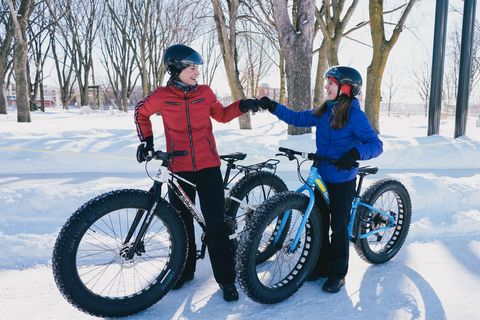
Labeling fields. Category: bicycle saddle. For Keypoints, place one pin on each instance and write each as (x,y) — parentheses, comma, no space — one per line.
(233,156)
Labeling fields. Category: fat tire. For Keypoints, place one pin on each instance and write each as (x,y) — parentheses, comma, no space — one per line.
(299,264)
(273,184)
(164,270)
(390,196)
(253,188)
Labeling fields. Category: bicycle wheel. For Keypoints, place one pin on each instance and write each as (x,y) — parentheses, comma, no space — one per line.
(89,264)
(279,277)
(389,196)
(247,194)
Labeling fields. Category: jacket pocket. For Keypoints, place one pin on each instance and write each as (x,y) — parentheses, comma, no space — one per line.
(199,100)
(171,102)
(211,148)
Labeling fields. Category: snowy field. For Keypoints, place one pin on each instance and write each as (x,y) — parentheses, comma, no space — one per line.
(54,164)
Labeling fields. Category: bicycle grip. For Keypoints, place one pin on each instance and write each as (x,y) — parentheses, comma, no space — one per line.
(180,153)
(286,150)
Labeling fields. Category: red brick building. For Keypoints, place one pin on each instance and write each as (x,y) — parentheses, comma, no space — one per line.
(273,93)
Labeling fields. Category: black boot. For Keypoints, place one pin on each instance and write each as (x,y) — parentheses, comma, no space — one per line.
(333,284)
(230,293)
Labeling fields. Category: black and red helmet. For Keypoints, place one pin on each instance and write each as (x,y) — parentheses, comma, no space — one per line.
(346,76)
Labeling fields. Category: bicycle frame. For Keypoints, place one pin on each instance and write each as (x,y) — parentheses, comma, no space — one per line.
(166,176)
(315,181)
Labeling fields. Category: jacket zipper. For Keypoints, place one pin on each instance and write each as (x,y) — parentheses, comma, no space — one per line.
(190,132)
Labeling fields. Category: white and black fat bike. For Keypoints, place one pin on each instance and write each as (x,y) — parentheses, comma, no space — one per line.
(122,251)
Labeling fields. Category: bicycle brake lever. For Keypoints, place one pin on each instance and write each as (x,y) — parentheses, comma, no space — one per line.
(149,156)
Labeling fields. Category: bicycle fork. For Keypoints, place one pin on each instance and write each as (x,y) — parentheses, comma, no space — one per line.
(137,246)
(311,183)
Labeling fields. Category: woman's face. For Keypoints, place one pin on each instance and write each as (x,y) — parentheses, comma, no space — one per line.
(189,75)
(332,90)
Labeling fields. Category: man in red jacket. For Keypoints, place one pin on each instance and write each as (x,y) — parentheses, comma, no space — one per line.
(186,108)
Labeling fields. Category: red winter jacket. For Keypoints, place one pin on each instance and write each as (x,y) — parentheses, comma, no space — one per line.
(186,120)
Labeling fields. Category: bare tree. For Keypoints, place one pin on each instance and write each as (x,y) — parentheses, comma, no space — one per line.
(20,18)
(422,78)
(255,64)
(211,58)
(262,17)
(390,89)
(118,50)
(455,48)
(79,24)
(332,26)
(296,40)
(381,50)
(5,50)
(226,17)
(39,46)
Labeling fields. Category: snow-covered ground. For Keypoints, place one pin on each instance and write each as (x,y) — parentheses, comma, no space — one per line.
(54,164)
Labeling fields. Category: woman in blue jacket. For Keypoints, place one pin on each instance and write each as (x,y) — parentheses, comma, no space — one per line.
(343,132)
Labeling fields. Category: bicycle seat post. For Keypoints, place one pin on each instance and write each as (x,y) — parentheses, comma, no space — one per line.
(359,186)
(230,166)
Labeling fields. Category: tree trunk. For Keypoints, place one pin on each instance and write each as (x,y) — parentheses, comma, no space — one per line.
(20,67)
(373,94)
(283,83)
(296,41)
(228,47)
(322,64)
(20,58)
(4,52)
(381,50)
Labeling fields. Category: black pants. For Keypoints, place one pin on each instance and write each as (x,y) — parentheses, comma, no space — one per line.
(333,257)
(209,184)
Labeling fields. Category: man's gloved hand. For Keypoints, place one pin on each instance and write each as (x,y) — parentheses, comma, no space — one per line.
(348,159)
(248,104)
(266,103)
(144,148)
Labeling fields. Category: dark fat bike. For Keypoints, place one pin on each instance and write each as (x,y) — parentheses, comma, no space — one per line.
(122,251)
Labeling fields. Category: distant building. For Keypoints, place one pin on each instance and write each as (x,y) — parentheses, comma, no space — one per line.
(49,102)
(51,95)
(273,93)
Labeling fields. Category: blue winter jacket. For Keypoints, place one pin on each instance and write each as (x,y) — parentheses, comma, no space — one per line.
(332,143)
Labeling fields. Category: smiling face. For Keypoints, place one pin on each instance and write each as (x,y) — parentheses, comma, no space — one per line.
(332,90)
(189,75)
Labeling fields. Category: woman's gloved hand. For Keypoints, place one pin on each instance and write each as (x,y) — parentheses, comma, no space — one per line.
(266,103)
(248,104)
(348,159)
(144,148)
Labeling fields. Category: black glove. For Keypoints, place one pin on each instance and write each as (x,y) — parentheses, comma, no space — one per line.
(266,103)
(144,148)
(348,159)
(248,104)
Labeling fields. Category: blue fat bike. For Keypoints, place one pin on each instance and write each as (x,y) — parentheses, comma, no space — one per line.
(288,226)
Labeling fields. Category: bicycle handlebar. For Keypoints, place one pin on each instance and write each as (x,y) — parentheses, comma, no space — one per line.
(166,156)
(290,154)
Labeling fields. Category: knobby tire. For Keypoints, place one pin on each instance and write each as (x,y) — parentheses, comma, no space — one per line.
(89,264)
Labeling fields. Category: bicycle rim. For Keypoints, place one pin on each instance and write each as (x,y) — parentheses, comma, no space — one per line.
(101,263)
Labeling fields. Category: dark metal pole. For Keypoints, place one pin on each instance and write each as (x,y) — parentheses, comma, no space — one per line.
(465,67)
(439,39)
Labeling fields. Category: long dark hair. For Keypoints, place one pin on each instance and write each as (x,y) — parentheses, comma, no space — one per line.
(341,114)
